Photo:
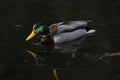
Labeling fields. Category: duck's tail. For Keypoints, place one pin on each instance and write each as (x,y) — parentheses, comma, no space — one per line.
(89,28)
(91,31)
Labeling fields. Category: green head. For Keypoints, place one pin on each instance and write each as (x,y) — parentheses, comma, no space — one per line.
(38,29)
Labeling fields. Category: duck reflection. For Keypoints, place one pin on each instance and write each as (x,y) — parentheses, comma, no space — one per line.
(36,56)
(58,60)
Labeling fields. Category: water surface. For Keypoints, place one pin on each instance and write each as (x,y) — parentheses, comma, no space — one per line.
(76,60)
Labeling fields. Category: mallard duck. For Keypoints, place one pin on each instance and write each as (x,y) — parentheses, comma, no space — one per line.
(62,31)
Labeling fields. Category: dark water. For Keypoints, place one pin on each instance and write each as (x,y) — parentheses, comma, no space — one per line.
(78,60)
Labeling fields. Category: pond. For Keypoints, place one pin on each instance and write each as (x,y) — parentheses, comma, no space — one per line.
(93,57)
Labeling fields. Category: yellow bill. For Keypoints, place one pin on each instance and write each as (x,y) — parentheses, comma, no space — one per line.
(33,33)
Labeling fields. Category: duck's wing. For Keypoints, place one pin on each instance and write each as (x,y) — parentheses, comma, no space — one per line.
(68,26)
(54,27)
(80,24)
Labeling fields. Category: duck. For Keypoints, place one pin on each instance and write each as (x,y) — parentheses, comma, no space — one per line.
(61,32)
